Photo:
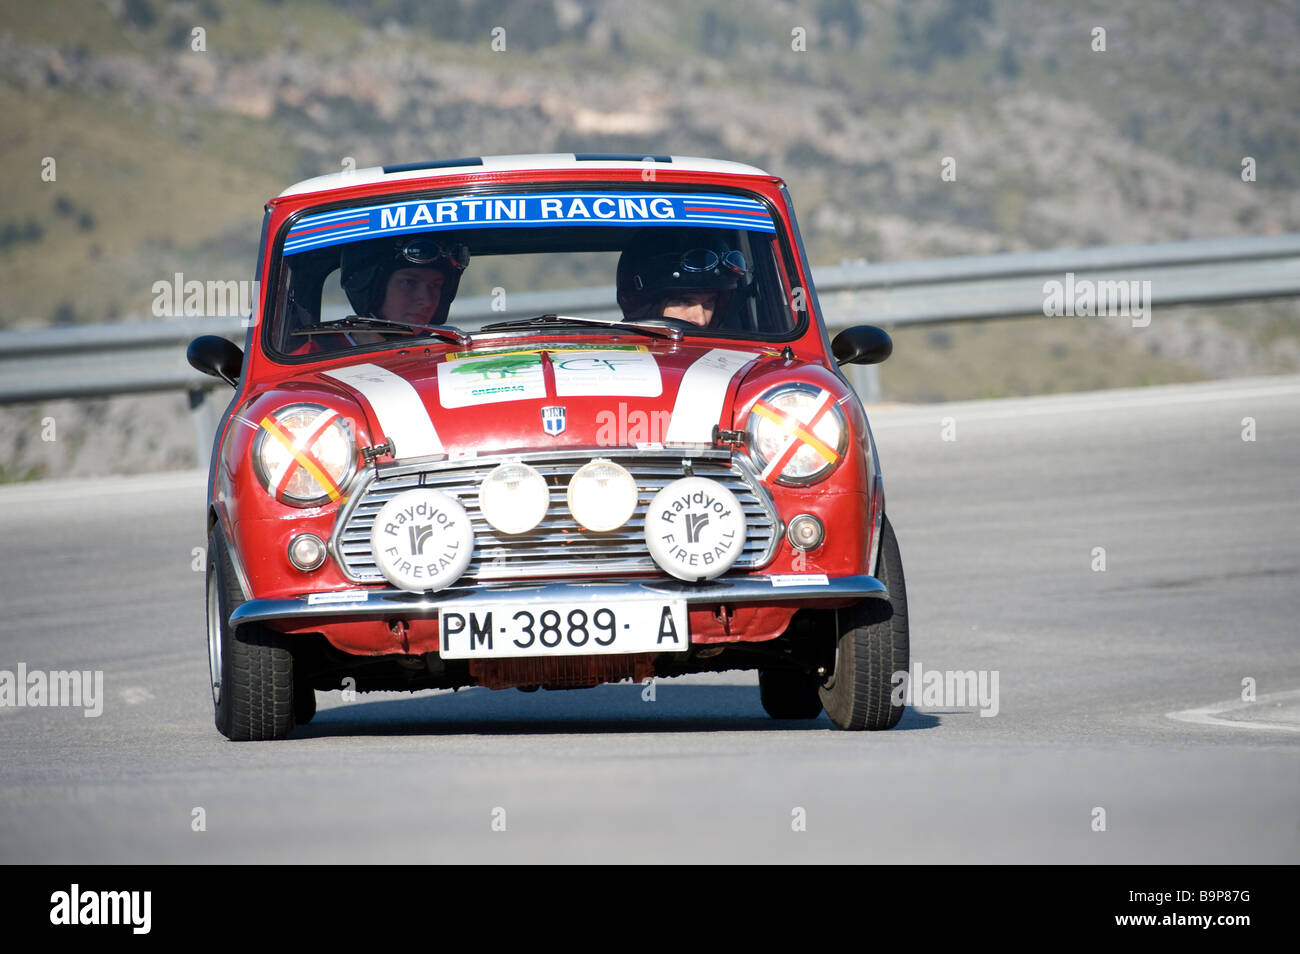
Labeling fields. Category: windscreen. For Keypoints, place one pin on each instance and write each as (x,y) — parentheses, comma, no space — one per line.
(380,275)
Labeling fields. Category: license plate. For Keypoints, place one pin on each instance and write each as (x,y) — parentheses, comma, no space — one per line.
(563,629)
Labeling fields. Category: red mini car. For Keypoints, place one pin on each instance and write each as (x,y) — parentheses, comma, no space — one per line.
(428,478)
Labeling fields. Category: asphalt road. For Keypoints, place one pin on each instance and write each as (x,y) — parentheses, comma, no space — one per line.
(998,529)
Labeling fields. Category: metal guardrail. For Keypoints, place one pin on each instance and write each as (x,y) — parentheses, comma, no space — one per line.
(101,360)
(1010,285)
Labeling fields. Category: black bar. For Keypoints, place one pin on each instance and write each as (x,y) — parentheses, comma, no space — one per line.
(434,164)
(964,902)
(617,157)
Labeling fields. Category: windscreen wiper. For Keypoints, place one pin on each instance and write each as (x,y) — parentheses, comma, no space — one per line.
(358,323)
(645,328)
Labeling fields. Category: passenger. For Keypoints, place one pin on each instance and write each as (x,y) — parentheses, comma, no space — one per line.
(680,275)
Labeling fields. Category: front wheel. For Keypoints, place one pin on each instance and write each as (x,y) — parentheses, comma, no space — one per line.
(304,702)
(871,645)
(251,673)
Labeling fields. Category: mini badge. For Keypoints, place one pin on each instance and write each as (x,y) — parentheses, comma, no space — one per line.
(553,420)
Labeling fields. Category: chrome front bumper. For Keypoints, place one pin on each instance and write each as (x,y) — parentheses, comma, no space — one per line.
(394,604)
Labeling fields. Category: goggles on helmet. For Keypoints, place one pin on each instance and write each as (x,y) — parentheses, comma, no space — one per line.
(701,260)
(429,251)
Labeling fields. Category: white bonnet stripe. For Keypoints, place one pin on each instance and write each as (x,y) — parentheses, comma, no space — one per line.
(402,415)
(699,399)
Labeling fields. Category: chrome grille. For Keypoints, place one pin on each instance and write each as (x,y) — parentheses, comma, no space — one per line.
(558,547)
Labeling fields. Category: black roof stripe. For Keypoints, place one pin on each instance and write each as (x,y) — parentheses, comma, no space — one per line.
(618,157)
(436,164)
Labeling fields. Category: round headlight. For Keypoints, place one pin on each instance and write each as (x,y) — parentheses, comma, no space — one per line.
(602,495)
(513,498)
(304,454)
(797,434)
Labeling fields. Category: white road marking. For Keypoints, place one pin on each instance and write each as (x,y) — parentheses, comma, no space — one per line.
(1210,715)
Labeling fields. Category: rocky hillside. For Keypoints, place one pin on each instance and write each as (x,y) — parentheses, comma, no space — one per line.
(169,125)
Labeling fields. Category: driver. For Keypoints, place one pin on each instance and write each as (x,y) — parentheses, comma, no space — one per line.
(410,280)
(683,274)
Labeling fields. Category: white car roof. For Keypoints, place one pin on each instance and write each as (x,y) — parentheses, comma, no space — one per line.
(539,162)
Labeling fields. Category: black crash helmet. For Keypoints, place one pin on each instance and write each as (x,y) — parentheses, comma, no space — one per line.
(365,268)
(661,262)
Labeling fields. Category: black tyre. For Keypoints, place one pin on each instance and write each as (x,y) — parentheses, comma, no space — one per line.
(304,703)
(251,672)
(871,645)
(789,694)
